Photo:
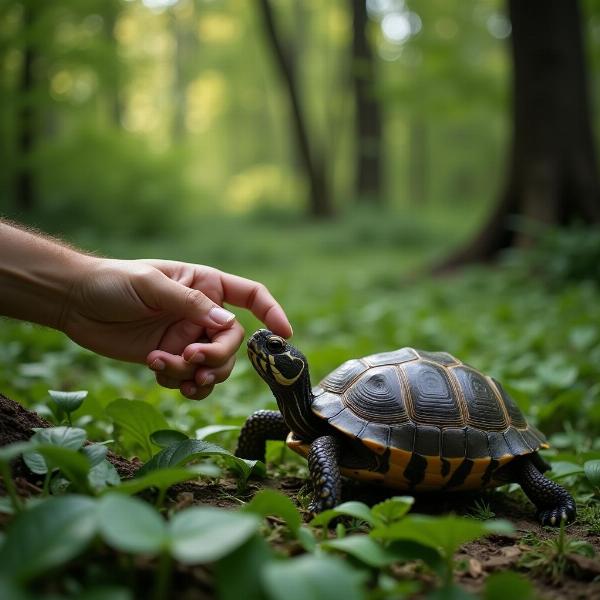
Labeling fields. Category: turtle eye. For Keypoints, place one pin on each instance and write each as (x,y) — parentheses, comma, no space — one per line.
(275,344)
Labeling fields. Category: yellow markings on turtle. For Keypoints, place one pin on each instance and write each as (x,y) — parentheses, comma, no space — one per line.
(438,470)
(279,377)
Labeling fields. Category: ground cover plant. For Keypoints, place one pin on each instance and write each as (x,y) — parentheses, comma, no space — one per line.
(187,519)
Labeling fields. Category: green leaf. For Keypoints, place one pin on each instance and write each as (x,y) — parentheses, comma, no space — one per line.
(72,464)
(165,437)
(202,534)
(392,510)
(137,420)
(209,430)
(96,453)
(103,475)
(105,592)
(12,591)
(47,536)
(161,479)
(12,451)
(68,401)
(445,533)
(314,577)
(187,450)
(365,549)
(450,592)
(270,502)
(500,586)
(591,469)
(64,437)
(238,573)
(131,525)
(358,510)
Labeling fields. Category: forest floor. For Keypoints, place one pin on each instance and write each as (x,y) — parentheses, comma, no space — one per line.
(577,579)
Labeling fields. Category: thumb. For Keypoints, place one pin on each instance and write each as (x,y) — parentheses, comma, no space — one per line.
(190,304)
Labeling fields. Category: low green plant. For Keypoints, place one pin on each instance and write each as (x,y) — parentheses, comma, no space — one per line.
(550,558)
(482,510)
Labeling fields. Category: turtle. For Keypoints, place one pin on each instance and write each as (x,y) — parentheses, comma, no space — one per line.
(413,420)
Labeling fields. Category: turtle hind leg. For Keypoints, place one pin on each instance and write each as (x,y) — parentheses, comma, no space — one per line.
(259,427)
(324,466)
(553,502)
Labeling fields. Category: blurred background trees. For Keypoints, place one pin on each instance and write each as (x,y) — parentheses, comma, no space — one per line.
(114,110)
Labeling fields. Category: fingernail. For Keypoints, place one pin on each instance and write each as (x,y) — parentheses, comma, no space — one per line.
(196,357)
(220,315)
(191,391)
(208,379)
(157,365)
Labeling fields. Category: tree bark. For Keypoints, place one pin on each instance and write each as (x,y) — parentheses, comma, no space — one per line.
(417,177)
(26,123)
(311,160)
(367,111)
(552,175)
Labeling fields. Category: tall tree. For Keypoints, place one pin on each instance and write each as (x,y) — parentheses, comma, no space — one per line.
(552,175)
(26,118)
(312,159)
(367,110)
(110,10)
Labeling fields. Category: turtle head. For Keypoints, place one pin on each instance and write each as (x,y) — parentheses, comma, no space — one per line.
(277,361)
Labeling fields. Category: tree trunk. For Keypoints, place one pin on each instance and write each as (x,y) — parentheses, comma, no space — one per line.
(25,191)
(312,161)
(417,177)
(110,15)
(367,112)
(552,174)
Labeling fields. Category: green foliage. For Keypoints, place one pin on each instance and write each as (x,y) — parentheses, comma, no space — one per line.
(180,453)
(68,402)
(137,420)
(46,536)
(500,586)
(560,255)
(550,558)
(309,576)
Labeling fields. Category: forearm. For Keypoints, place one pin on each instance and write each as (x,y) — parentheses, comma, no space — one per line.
(36,275)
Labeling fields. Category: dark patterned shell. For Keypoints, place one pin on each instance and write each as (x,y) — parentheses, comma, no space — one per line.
(426,409)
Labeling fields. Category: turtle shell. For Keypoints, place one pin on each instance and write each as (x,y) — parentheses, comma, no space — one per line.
(433,421)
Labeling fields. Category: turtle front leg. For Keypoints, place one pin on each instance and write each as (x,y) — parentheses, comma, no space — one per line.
(259,427)
(553,502)
(324,466)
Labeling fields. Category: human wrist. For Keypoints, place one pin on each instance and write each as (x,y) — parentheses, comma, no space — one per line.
(37,275)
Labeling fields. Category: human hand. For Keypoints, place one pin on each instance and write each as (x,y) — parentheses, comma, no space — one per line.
(169,315)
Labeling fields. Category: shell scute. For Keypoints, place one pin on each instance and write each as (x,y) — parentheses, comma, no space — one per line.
(395,357)
(434,401)
(514,413)
(378,396)
(497,444)
(483,406)
(442,358)
(477,443)
(341,378)
(348,422)
(403,437)
(327,405)
(517,444)
(454,442)
(427,440)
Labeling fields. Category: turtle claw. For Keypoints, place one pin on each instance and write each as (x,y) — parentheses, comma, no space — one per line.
(554,517)
(320,504)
